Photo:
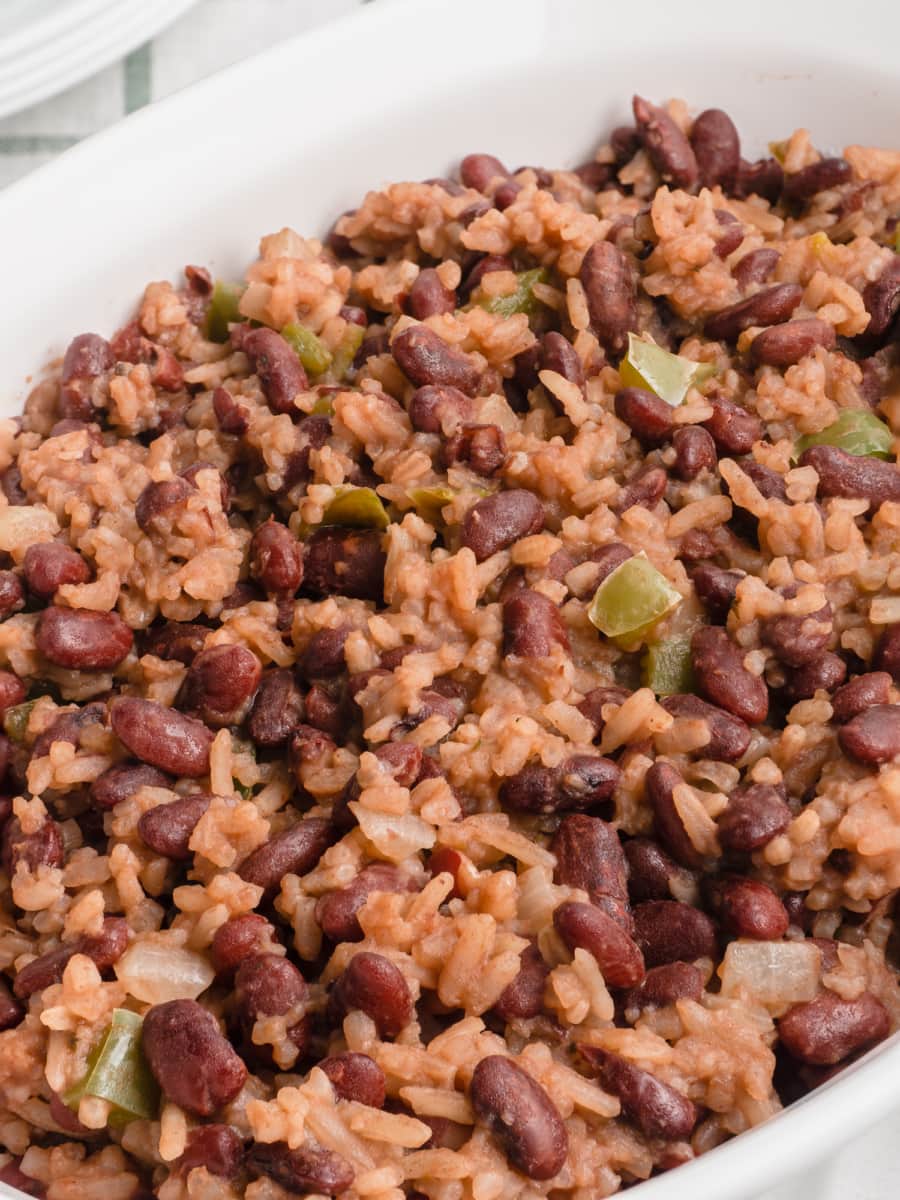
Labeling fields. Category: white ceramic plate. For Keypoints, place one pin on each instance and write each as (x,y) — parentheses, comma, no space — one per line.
(49,45)
(403,90)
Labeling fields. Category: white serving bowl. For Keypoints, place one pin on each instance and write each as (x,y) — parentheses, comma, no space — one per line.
(404,90)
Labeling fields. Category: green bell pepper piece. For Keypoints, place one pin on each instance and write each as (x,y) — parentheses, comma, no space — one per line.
(357,507)
(345,353)
(118,1072)
(429,501)
(631,599)
(223,310)
(15,720)
(311,350)
(668,376)
(857,431)
(666,667)
(522,300)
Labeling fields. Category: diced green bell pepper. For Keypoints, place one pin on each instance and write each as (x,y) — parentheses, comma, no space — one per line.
(522,300)
(311,350)
(357,507)
(346,350)
(631,599)
(666,667)
(15,720)
(223,309)
(429,501)
(668,376)
(118,1072)
(857,431)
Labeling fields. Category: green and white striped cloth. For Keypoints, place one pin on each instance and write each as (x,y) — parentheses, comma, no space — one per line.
(211,35)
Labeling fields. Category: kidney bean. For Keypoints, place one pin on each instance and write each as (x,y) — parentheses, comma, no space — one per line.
(580,782)
(294,851)
(482,448)
(609,287)
(280,371)
(48,565)
(158,503)
(436,407)
(649,418)
(798,640)
(480,170)
(11,483)
(733,429)
(756,813)
(444,860)
(771,306)
(755,267)
(103,950)
(167,828)
(375,986)
(863,692)
(87,357)
(483,265)
(717,148)
(302,1171)
(828,1030)
(887,652)
(277,709)
(732,233)
(765,178)
(818,177)
(646,488)
(276,559)
(625,141)
(241,937)
(882,298)
(268,985)
(695,451)
(660,783)
(10,1173)
(428,297)
(63,1116)
(586,927)
(669,931)
(499,520)
(192,473)
(221,682)
(12,594)
(532,625)
(592,705)
(82,640)
(161,736)
(589,855)
(191,1061)
(521,1116)
(373,345)
(747,908)
(345,562)
(337,912)
(658,1110)
(323,657)
(353,314)
(729,736)
(506,194)
(12,691)
(179,641)
(872,736)
(664,985)
(43,848)
(558,354)
(669,150)
(826,673)
(595,175)
(218,1148)
(355,1077)
(233,418)
(68,727)
(11,1012)
(723,679)
(426,358)
(784,345)
(523,998)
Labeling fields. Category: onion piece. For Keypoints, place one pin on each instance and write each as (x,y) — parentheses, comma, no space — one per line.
(776,974)
(156,968)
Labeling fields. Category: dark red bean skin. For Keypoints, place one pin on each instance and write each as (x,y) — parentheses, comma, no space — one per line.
(532,625)
(233,418)
(521,1116)
(646,488)
(729,736)
(336,912)
(733,429)
(220,683)
(482,448)
(558,354)
(428,297)
(345,562)
(660,783)
(649,418)
(732,233)
(280,371)
(181,641)
(586,927)
(872,736)
(277,709)
(192,1062)
(497,521)
(426,358)
(817,177)
(12,690)
(276,559)
(827,1030)
(695,451)
(12,594)
(724,680)
(664,985)
(294,851)
(167,828)
(375,986)
(669,149)
(323,657)
(755,267)
(756,813)
(798,640)
(436,408)
(48,565)
(609,288)
(523,998)
(268,985)
(43,848)
(68,727)
(589,855)
(717,148)
(887,652)
(10,1173)
(122,781)
(580,782)
(747,908)
(82,640)
(771,306)
(300,1172)
(824,673)
(882,298)
(668,931)
(355,1077)
(851,475)
(483,266)
(11,1011)
(218,1148)
(595,175)
(716,589)
(861,693)
(657,1109)
(784,345)
(158,503)
(161,736)
(765,178)
(87,357)
(480,170)
(241,937)
(607,558)
(103,950)
(592,705)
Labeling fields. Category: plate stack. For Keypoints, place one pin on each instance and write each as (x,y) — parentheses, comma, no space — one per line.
(47,46)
